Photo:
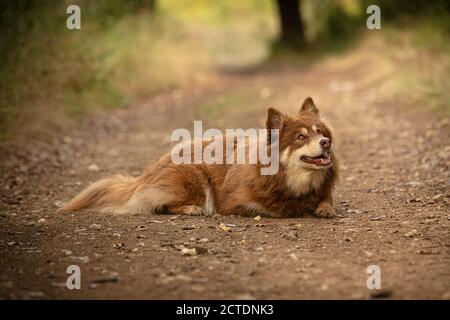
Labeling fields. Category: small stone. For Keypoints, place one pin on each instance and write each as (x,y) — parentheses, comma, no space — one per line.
(42,221)
(201,250)
(58,204)
(119,245)
(345,203)
(257,218)
(188,227)
(412,233)
(93,167)
(293,256)
(428,251)
(224,227)
(368,253)
(231,225)
(291,235)
(188,252)
(95,226)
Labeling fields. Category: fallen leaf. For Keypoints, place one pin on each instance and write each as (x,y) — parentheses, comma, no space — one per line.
(224,227)
(188,252)
(411,233)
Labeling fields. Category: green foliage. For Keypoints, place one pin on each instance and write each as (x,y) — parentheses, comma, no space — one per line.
(398,9)
(123,52)
(128,50)
(425,78)
(332,20)
(218,12)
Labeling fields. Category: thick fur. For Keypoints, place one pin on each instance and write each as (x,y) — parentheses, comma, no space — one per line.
(166,187)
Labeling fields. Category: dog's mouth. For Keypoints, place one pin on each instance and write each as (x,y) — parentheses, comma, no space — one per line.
(322,160)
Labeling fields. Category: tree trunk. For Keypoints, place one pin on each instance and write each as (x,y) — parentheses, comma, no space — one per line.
(291,24)
(144,4)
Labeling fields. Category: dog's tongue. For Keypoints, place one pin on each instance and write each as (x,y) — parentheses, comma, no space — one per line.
(322,161)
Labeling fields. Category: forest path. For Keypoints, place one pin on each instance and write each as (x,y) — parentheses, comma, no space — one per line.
(392,201)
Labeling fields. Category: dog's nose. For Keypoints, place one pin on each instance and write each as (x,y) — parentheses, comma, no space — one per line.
(325,143)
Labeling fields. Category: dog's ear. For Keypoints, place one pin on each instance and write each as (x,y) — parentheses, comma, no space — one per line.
(274,119)
(309,106)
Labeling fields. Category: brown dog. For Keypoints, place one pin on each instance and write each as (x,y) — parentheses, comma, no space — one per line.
(304,182)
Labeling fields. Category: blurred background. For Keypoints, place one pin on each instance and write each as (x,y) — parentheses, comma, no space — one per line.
(78,105)
(130,50)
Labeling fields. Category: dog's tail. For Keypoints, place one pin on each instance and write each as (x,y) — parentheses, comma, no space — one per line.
(108,194)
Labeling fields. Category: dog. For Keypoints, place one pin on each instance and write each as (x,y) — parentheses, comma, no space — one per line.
(308,171)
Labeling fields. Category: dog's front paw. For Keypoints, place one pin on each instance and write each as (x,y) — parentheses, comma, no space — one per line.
(187,210)
(192,210)
(324,210)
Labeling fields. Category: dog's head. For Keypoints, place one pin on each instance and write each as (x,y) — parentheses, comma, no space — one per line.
(305,141)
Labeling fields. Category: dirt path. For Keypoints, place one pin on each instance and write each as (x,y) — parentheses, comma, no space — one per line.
(393,201)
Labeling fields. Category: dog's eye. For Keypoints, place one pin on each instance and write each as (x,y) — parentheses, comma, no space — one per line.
(301,137)
(319,131)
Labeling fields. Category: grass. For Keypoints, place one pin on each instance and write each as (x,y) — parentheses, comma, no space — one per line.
(231,103)
(120,56)
(50,76)
(421,62)
(413,56)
